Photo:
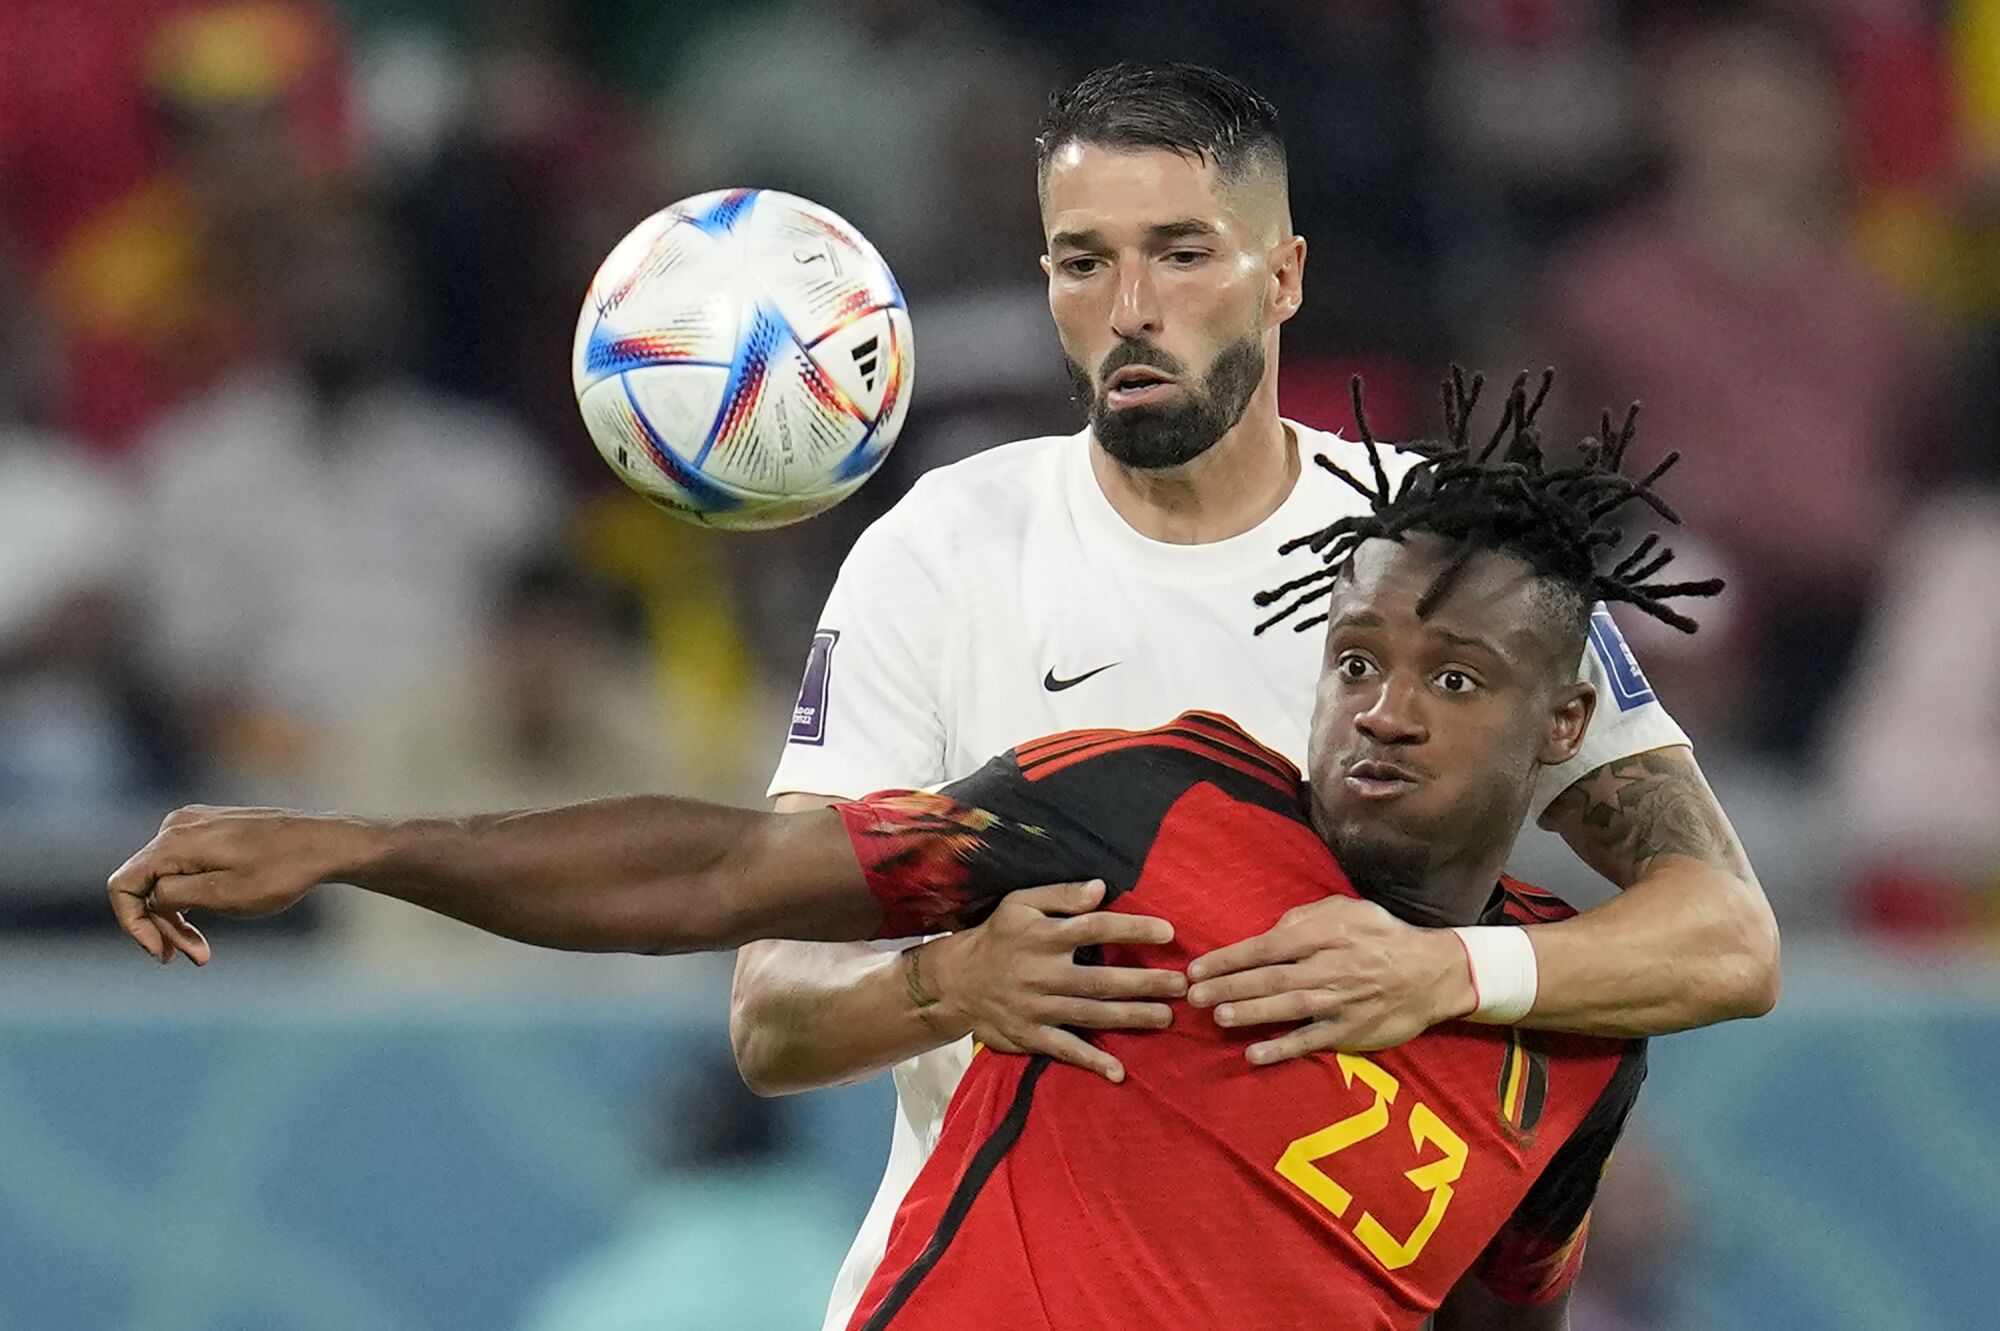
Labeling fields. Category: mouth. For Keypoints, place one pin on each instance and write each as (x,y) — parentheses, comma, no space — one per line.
(1135,385)
(1376,780)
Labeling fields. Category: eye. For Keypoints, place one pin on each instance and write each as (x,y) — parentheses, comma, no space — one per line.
(1081,266)
(1456,681)
(1353,665)
(1186,258)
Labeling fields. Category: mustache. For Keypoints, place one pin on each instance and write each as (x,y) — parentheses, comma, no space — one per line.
(1376,754)
(1132,352)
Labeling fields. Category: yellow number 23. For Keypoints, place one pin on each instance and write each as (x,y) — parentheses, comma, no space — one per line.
(1435,1177)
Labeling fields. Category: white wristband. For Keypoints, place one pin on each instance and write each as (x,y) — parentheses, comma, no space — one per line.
(1504,977)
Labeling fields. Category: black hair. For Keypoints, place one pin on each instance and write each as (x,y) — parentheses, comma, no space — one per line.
(1183,108)
(1503,497)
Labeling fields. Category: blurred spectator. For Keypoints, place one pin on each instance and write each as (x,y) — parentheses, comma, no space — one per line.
(1535,103)
(852,103)
(1915,752)
(553,707)
(138,141)
(77,725)
(730,1235)
(537,176)
(320,527)
(1797,386)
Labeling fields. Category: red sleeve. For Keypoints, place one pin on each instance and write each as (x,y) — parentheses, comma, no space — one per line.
(941,861)
(1064,809)
(1539,1251)
(916,851)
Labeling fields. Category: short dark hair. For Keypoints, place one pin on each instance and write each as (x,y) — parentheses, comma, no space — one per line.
(1556,520)
(1182,108)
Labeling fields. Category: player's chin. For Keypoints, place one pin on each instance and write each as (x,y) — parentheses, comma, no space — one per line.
(1366,816)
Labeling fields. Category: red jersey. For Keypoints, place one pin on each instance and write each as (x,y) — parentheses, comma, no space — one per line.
(1343,1191)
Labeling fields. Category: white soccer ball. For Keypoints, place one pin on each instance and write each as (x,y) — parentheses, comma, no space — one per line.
(743,359)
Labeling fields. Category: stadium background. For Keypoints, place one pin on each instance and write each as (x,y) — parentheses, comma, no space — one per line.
(294,508)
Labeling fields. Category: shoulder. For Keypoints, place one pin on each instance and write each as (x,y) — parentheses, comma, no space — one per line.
(1193,748)
(987,496)
(1524,903)
(1352,457)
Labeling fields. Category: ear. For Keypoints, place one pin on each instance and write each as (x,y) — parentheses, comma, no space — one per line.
(1569,717)
(1047,268)
(1288,269)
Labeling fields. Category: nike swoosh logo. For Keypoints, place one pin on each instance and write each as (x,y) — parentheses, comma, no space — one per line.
(1054,685)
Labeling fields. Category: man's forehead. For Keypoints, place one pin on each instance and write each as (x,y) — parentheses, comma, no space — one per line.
(1384,581)
(1131,182)
(1092,188)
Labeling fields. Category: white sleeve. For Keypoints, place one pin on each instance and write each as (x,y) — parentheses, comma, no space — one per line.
(1628,719)
(869,715)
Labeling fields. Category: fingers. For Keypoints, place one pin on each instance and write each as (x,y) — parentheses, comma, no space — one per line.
(140,927)
(1059,898)
(185,938)
(1122,982)
(1317,1037)
(1296,1005)
(1259,983)
(191,891)
(1074,1050)
(1090,1014)
(1275,946)
(127,888)
(1110,926)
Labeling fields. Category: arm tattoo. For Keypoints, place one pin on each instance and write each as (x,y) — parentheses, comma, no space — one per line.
(1628,813)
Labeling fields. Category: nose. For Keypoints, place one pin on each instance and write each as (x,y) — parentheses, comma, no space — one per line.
(1395,716)
(1135,313)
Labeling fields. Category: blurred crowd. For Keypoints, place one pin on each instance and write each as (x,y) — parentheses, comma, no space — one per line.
(295,505)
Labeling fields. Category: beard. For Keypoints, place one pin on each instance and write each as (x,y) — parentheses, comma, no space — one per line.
(1407,864)
(1390,871)
(1171,435)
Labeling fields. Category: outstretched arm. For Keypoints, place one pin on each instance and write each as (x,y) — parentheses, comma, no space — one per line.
(642,874)
(1689,942)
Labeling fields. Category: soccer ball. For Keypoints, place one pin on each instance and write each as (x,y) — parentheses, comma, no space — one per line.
(743,359)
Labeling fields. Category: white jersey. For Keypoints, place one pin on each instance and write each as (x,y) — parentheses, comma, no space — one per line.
(1004,599)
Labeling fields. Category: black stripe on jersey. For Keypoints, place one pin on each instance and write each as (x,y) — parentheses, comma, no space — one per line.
(987,1159)
(1237,735)
(1213,734)
(1196,743)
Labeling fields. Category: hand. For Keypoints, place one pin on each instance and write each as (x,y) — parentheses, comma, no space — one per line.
(1356,975)
(237,862)
(1014,983)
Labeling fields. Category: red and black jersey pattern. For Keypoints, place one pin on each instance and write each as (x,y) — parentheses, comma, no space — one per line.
(1086,804)
(1337,1190)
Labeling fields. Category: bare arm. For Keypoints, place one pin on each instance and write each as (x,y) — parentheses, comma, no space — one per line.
(1471,1307)
(805,1015)
(642,874)
(1690,941)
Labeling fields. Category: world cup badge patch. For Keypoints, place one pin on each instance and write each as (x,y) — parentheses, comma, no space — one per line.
(809,712)
(1628,683)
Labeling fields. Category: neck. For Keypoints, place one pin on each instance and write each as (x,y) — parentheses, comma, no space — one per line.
(1223,493)
(1400,877)
(1448,896)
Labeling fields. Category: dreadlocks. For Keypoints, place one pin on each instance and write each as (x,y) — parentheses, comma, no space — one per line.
(1502,497)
